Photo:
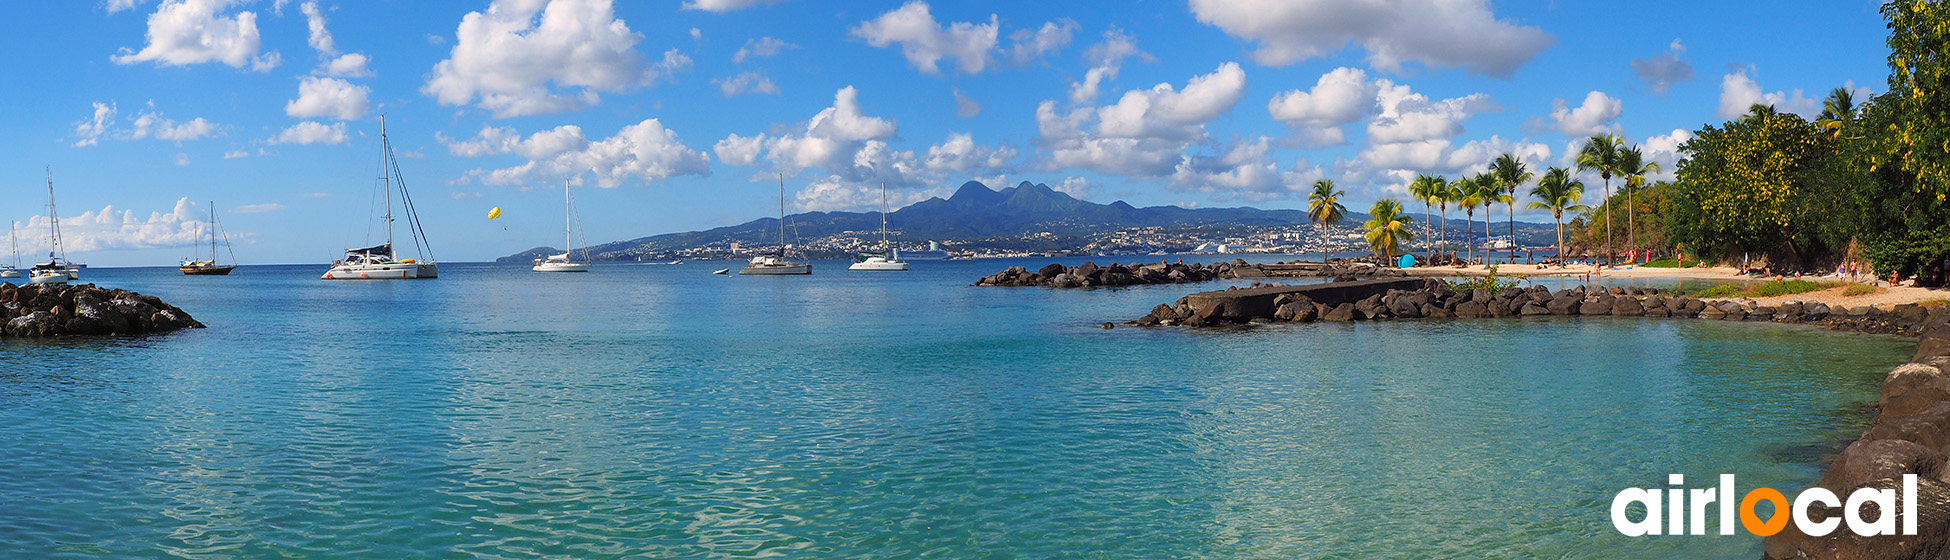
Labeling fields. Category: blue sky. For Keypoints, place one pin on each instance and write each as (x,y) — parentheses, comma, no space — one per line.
(679,115)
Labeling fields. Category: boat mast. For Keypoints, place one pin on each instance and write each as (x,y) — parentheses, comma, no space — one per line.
(54,221)
(568,233)
(386,176)
(885,249)
(781,216)
(213,233)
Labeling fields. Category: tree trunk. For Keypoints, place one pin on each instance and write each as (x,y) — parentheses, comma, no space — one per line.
(1631,231)
(1559,216)
(1608,251)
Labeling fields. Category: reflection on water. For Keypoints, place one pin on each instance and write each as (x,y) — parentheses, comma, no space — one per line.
(642,411)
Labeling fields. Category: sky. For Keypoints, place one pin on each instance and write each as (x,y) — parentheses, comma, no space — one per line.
(668,116)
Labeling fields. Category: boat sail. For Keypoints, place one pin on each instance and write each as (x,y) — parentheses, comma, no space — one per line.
(194,267)
(56,269)
(379,262)
(777,265)
(889,259)
(562,262)
(12,270)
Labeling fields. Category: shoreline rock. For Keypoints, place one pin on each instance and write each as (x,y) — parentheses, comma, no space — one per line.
(41,310)
(1090,275)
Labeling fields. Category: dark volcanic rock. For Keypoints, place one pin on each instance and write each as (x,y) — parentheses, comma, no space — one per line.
(54,310)
(1342,312)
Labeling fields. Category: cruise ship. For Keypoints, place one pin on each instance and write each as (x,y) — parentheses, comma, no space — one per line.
(934,253)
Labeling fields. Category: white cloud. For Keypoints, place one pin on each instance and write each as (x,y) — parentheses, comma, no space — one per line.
(925,42)
(236,154)
(1661,71)
(109,228)
(1406,116)
(834,194)
(722,6)
(351,65)
(185,32)
(760,47)
(1145,132)
(91,130)
(1391,166)
(966,107)
(744,82)
(1664,150)
(1739,92)
(312,132)
(464,195)
(645,150)
(1436,33)
(182,159)
(1241,168)
(328,97)
(319,38)
(1340,97)
(1029,45)
(1595,116)
(120,5)
(960,154)
(507,57)
(1105,59)
(148,124)
(1077,187)
(257,208)
(697,34)
(1164,112)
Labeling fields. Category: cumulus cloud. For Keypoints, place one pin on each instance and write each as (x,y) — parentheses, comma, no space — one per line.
(1664,150)
(1028,46)
(960,154)
(1661,71)
(257,208)
(1738,92)
(966,107)
(110,228)
(506,58)
(120,5)
(1145,132)
(925,42)
(1595,116)
(1077,187)
(1407,116)
(328,97)
(752,82)
(760,47)
(722,6)
(834,139)
(185,32)
(834,193)
(318,37)
(236,154)
(1390,167)
(148,124)
(1105,59)
(1165,112)
(646,151)
(1436,33)
(312,132)
(1339,98)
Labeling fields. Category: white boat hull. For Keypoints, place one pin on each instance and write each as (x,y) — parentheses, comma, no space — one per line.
(561,267)
(48,278)
(388,271)
(878,264)
(776,270)
(9,273)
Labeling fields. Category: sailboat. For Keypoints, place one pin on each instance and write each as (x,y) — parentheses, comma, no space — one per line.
(889,259)
(210,267)
(562,262)
(12,270)
(379,262)
(55,270)
(777,265)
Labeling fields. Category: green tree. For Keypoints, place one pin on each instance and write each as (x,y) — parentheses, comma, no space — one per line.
(1387,229)
(1430,189)
(1633,168)
(1468,197)
(1557,192)
(1748,187)
(1511,173)
(1600,154)
(1325,209)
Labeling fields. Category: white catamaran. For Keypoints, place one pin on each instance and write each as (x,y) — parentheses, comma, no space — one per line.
(56,269)
(562,262)
(777,265)
(889,258)
(379,262)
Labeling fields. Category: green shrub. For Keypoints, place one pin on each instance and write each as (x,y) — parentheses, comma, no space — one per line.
(1859,290)
(1662,263)
(1785,287)
(1723,290)
(1490,282)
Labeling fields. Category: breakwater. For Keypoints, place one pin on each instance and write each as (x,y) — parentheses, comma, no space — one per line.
(38,310)
(1910,433)
(1089,275)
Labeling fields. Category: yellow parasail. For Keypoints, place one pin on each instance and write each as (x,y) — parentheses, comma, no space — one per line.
(495,213)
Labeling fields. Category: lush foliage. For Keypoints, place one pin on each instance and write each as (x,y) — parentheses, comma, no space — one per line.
(1747,186)
(1388,229)
(1489,282)
(1770,288)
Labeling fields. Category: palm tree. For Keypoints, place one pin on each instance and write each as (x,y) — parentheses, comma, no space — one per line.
(1600,154)
(1324,208)
(1836,110)
(1388,229)
(1469,195)
(1450,193)
(1511,172)
(1633,168)
(1489,190)
(1557,192)
(1427,188)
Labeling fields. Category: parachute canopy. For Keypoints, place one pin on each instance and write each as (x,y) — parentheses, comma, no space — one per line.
(495,213)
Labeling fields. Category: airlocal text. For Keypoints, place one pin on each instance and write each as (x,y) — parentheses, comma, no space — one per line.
(1682,511)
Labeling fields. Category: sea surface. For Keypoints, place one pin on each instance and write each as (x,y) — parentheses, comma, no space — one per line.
(649,411)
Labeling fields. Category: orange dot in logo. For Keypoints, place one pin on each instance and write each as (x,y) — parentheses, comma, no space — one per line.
(1752,522)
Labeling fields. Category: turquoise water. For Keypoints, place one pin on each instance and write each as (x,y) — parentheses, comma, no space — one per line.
(662,412)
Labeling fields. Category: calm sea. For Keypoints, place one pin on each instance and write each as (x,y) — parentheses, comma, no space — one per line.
(663,412)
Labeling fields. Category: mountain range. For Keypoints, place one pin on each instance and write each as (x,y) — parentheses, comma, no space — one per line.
(974,212)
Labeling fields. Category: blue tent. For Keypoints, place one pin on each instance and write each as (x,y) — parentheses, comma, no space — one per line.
(1407,261)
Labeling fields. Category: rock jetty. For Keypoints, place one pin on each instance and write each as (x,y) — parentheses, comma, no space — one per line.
(37,310)
(1089,275)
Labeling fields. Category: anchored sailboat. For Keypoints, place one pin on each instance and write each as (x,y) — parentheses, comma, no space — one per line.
(379,262)
(889,259)
(194,267)
(12,270)
(562,262)
(777,265)
(56,269)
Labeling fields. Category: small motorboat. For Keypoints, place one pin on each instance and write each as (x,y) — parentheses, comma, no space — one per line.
(722,271)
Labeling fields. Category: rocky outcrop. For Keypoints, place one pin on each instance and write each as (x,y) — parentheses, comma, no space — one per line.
(1090,275)
(37,310)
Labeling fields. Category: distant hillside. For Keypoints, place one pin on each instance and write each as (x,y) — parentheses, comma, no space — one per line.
(974,212)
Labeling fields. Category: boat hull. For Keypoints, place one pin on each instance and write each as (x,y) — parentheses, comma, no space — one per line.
(48,278)
(388,271)
(207,270)
(882,266)
(9,273)
(561,267)
(776,270)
